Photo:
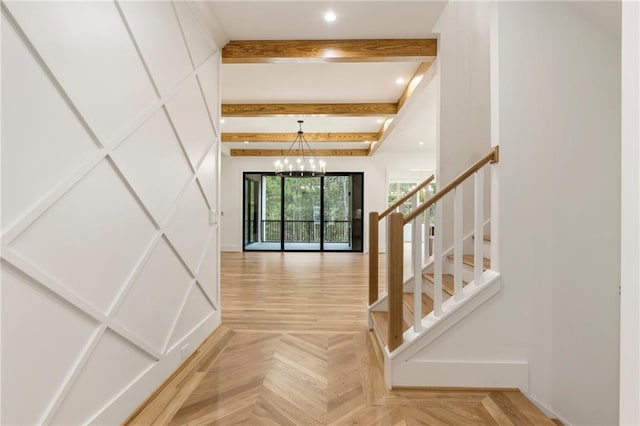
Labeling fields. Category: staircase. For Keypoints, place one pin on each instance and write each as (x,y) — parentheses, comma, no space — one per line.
(445,286)
(380,315)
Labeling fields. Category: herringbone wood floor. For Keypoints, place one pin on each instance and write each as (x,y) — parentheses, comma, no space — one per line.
(294,349)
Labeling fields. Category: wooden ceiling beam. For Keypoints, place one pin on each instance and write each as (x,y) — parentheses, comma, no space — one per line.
(423,75)
(372,50)
(310,137)
(282,152)
(322,109)
(413,83)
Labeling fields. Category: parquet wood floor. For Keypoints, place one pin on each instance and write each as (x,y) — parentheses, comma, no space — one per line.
(294,349)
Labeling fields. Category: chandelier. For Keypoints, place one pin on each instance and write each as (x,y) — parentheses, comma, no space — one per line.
(300,160)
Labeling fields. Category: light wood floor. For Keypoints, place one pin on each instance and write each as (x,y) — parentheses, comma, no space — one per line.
(294,349)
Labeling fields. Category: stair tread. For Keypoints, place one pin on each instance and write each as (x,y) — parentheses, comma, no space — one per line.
(381,323)
(447,282)
(486,238)
(467,259)
(427,303)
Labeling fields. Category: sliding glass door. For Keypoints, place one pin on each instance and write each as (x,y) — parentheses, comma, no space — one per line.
(303,214)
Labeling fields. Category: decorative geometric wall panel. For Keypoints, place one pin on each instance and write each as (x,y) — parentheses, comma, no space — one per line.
(87,47)
(91,239)
(152,305)
(199,44)
(157,32)
(189,227)
(208,273)
(154,164)
(207,176)
(195,311)
(209,81)
(189,115)
(43,338)
(42,139)
(111,368)
(93,165)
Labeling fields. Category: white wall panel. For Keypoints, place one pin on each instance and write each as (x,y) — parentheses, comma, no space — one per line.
(87,47)
(208,273)
(207,176)
(208,77)
(38,156)
(200,46)
(158,35)
(114,365)
(94,283)
(152,305)
(34,348)
(196,309)
(188,229)
(91,239)
(155,165)
(189,116)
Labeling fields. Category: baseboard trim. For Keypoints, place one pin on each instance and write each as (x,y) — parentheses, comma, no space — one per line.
(188,364)
(453,389)
(129,400)
(547,411)
(444,374)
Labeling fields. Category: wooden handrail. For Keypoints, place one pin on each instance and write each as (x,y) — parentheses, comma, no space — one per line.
(408,195)
(492,157)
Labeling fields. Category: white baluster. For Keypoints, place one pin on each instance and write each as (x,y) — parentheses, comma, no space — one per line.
(417,274)
(437,261)
(415,259)
(425,237)
(457,243)
(427,227)
(478,228)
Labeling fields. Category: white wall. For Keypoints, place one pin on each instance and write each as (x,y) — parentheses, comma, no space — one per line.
(560,201)
(375,171)
(630,231)
(484,342)
(109,170)
(464,115)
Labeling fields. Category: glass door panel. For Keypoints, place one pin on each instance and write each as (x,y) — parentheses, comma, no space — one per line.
(337,213)
(357,206)
(302,226)
(271,225)
(251,207)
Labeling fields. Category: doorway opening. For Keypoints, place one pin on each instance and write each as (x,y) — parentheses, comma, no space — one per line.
(303,214)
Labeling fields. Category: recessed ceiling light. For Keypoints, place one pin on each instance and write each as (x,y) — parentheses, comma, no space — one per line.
(379,120)
(420,143)
(329,16)
(400,80)
(366,142)
(246,141)
(221,121)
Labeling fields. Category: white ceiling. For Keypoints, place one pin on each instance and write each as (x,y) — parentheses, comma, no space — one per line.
(324,82)
(312,123)
(319,82)
(291,20)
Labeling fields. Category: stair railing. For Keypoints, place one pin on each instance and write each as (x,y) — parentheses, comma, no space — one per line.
(374,219)
(396,223)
